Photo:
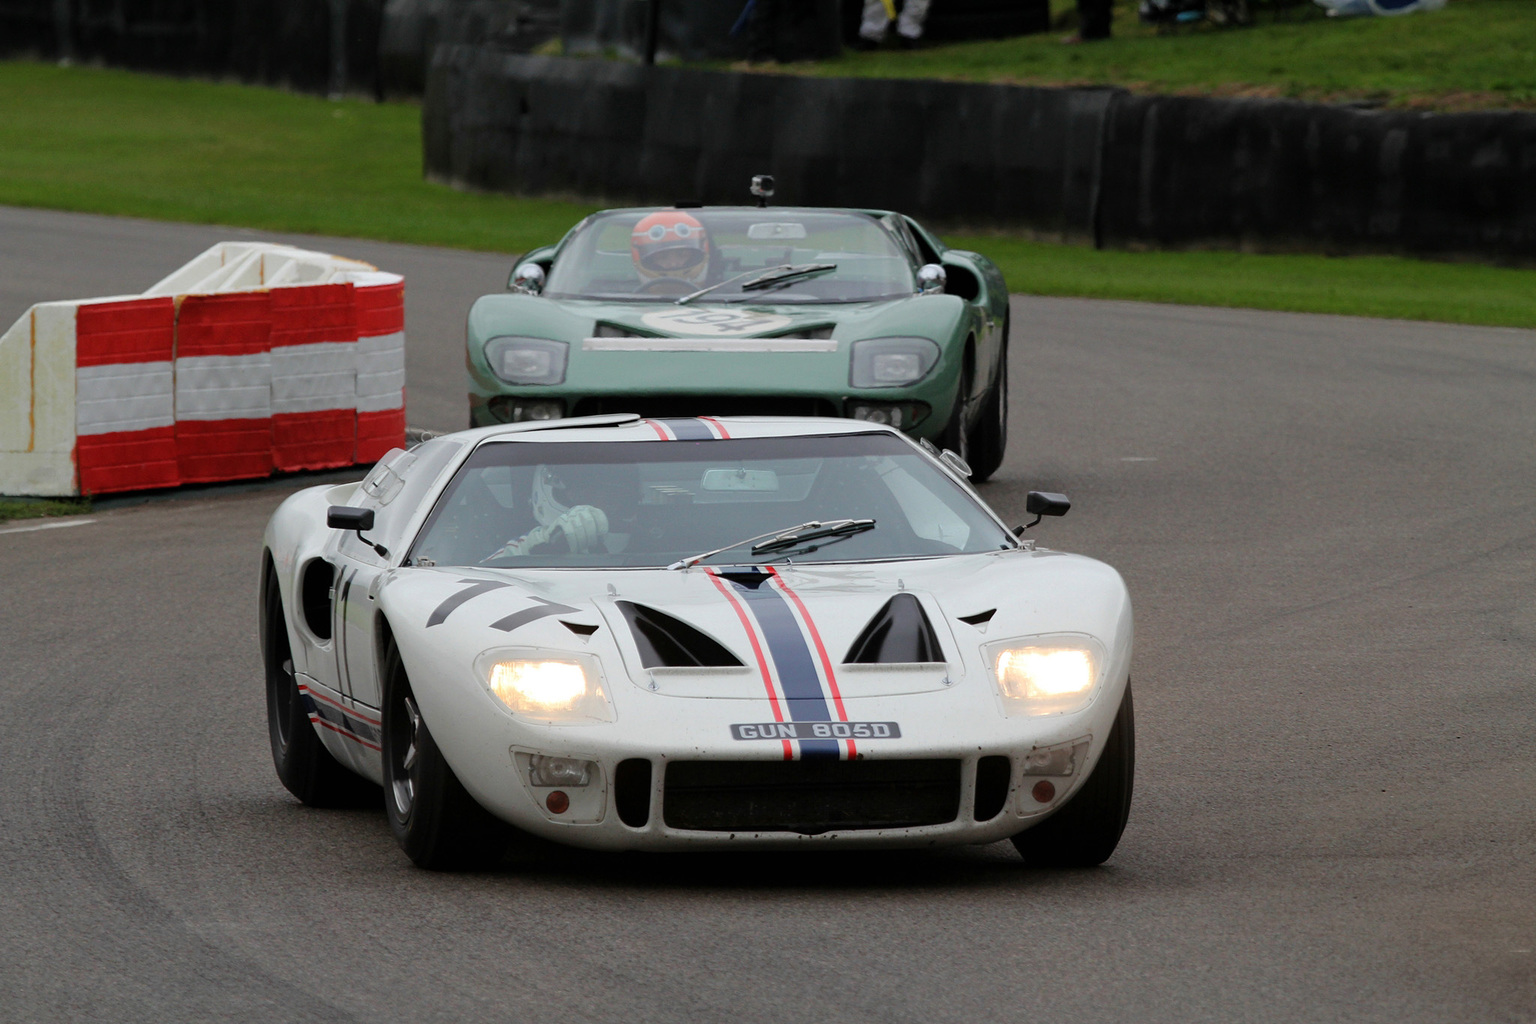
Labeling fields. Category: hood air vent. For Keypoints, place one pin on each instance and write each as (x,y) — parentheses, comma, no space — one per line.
(900,633)
(665,642)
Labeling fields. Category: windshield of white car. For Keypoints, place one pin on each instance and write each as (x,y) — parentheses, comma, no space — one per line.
(638,504)
(606,257)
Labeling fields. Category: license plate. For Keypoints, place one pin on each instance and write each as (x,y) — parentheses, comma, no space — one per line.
(816,731)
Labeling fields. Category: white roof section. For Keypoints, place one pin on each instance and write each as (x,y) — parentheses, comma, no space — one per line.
(632,427)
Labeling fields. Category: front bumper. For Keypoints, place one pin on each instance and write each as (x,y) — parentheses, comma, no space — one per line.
(664,384)
(680,792)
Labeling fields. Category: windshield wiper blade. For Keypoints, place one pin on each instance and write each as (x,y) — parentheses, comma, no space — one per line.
(779,275)
(730,280)
(762,278)
(777,540)
(813,531)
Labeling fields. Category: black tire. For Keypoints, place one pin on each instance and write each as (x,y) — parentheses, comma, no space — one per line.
(1086,831)
(990,437)
(305,767)
(433,817)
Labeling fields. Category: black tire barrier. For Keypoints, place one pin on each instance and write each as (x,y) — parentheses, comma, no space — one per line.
(317,46)
(1096,165)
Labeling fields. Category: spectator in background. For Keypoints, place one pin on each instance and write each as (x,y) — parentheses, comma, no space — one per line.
(1093,17)
(878,15)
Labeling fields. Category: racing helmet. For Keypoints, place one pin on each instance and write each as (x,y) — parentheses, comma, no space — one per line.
(670,244)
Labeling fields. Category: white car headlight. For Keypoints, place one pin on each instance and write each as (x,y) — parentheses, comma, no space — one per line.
(1046,675)
(544,686)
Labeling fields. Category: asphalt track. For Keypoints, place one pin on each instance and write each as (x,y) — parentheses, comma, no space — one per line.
(1329,529)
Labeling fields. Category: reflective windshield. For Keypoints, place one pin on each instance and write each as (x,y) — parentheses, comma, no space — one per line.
(637,503)
(663,255)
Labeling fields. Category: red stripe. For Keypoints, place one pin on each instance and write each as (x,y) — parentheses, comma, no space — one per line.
(378,432)
(342,732)
(757,652)
(133,331)
(660,432)
(725,435)
(313,313)
(127,460)
(337,704)
(230,449)
(821,650)
(314,440)
(236,324)
(380,309)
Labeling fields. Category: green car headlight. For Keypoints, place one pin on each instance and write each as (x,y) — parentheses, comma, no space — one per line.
(527,360)
(891,362)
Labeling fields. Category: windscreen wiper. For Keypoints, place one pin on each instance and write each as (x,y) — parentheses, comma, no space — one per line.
(781,274)
(762,278)
(780,540)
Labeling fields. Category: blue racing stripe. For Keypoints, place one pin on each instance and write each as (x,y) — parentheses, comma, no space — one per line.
(793,661)
(689,430)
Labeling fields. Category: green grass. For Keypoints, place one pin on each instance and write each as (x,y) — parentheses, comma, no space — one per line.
(24,508)
(119,143)
(1472,54)
(149,146)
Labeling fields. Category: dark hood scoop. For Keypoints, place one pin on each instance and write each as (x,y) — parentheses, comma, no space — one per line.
(665,642)
(900,633)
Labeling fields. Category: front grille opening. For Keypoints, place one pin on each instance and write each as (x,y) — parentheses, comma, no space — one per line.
(992,773)
(632,791)
(810,797)
(664,406)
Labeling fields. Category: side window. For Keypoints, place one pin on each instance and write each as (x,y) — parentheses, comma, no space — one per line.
(925,251)
(897,226)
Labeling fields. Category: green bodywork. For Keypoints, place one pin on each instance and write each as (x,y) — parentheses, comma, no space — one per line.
(970,328)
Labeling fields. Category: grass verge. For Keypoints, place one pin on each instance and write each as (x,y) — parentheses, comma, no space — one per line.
(114,142)
(1472,54)
(40,508)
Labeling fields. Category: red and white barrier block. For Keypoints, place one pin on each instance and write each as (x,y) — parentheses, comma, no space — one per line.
(249,359)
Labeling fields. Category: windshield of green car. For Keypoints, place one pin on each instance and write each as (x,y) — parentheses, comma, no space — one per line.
(663,255)
(636,504)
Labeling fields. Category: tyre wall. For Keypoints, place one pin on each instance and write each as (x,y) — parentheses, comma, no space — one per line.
(321,46)
(1074,164)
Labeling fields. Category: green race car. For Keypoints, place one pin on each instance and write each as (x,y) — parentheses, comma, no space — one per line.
(693,311)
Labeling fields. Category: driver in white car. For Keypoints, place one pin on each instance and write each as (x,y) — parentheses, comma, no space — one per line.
(670,246)
(582,527)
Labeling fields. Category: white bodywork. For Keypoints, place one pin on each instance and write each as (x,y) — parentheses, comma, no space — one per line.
(951,709)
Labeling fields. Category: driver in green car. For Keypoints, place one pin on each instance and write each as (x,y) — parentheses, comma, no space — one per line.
(670,246)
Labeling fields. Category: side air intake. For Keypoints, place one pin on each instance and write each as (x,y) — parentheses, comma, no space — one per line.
(899,633)
(665,642)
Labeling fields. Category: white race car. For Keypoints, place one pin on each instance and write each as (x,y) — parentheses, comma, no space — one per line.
(626,633)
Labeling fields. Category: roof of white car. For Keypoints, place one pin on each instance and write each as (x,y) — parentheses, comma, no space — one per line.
(632,427)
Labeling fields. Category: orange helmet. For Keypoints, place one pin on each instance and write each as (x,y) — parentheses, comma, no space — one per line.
(670,244)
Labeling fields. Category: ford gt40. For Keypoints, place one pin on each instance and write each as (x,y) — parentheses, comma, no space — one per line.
(652,634)
(741,310)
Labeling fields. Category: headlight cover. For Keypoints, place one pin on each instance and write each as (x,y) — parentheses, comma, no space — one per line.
(527,360)
(556,688)
(891,362)
(1047,675)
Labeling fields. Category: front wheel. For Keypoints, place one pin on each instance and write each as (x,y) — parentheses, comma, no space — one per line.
(433,817)
(305,768)
(1086,831)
